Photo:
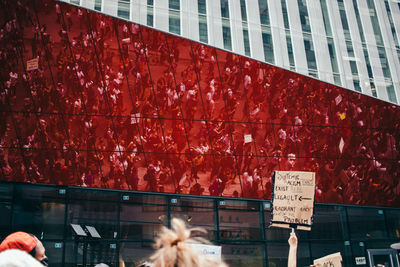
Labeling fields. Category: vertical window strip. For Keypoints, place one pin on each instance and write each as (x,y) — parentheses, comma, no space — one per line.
(307,37)
(285,14)
(288,35)
(97,5)
(267,44)
(365,50)
(331,43)
(150,13)
(226,26)
(382,52)
(246,41)
(264,15)
(224,9)
(349,46)
(201,6)
(174,21)
(203,31)
(305,21)
(123,9)
(243,10)
(389,13)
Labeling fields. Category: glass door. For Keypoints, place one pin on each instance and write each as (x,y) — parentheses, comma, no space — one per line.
(383,258)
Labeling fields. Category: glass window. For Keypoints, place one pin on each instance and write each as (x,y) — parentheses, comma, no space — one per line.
(246,40)
(203,31)
(101,215)
(366,223)
(5,219)
(285,14)
(226,33)
(150,16)
(310,54)
(174,22)
(123,8)
(305,20)
(239,225)
(268,45)
(97,5)
(133,253)
(225,9)
(278,253)
(243,10)
(174,4)
(264,15)
(327,223)
(201,5)
(96,252)
(54,251)
(243,255)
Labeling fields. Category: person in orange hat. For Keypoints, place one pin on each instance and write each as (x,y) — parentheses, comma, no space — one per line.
(25,242)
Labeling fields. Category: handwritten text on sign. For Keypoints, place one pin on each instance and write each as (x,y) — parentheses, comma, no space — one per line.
(332,260)
(293,198)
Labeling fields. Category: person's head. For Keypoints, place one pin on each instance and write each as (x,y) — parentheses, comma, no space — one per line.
(25,242)
(173,249)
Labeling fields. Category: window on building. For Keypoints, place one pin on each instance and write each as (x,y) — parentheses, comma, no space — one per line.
(224,9)
(267,44)
(264,15)
(243,10)
(123,8)
(246,40)
(226,34)
(174,16)
(203,31)
(97,5)
(150,13)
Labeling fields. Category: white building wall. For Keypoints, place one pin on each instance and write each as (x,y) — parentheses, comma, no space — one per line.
(296,32)
(357,47)
(190,19)
(235,16)
(319,40)
(254,24)
(278,34)
(372,50)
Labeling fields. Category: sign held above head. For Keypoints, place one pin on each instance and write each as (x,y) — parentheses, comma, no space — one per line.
(293,199)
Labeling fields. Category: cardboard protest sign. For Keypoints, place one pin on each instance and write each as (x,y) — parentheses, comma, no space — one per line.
(32,64)
(332,260)
(293,199)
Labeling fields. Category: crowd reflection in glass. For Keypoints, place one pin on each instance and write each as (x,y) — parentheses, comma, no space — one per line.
(118,105)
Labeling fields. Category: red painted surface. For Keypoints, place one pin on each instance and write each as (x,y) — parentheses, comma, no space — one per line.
(208,122)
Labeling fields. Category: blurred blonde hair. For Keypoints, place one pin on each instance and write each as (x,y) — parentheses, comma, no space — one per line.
(173,249)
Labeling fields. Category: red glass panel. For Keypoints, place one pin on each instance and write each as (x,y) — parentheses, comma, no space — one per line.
(209,82)
(380,145)
(199,137)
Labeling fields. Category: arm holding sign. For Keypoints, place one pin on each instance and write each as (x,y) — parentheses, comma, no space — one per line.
(292,258)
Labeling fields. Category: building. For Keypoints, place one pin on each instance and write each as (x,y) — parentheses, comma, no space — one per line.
(120,126)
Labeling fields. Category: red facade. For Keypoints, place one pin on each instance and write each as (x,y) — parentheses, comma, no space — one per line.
(118,105)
